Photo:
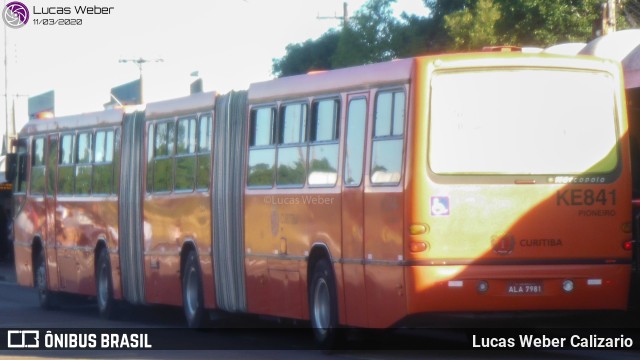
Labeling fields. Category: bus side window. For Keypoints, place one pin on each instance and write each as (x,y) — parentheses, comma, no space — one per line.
(185,154)
(37,166)
(203,177)
(262,150)
(323,147)
(354,159)
(292,148)
(20,183)
(163,159)
(386,161)
(84,168)
(150,155)
(65,165)
(52,164)
(103,165)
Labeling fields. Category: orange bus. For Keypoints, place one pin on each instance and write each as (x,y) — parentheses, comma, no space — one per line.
(361,197)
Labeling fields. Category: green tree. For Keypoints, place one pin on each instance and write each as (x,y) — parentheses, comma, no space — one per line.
(310,55)
(473,27)
(416,35)
(547,22)
(368,37)
(519,22)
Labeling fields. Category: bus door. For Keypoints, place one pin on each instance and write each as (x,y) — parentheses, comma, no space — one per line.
(50,211)
(353,211)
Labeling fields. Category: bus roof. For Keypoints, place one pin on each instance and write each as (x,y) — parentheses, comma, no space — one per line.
(391,72)
(74,122)
(181,106)
(400,71)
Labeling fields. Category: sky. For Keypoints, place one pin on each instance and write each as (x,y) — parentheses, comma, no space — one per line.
(231,43)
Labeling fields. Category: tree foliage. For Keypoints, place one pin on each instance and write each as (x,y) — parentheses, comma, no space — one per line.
(373,34)
(308,56)
(473,27)
(368,37)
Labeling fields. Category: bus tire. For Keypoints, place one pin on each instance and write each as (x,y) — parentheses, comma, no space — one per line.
(107,305)
(46,298)
(323,305)
(192,294)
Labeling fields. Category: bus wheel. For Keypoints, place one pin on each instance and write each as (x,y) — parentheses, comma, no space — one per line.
(107,306)
(46,298)
(323,305)
(192,298)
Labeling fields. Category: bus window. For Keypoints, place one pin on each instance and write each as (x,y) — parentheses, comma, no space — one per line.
(52,163)
(83,164)
(323,147)
(163,160)
(37,166)
(468,136)
(103,167)
(20,182)
(354,159)
(292,150)
(185,158)
(386,161)
(65,165)
(204,152)
(150,155)
(261,147)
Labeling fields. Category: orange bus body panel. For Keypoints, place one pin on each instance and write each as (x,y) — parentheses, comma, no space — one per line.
(79,222)
(524,232)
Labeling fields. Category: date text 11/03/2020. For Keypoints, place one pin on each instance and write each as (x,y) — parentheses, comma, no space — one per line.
(57,21)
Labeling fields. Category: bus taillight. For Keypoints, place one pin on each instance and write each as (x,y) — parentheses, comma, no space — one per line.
(627,245)
(418,246)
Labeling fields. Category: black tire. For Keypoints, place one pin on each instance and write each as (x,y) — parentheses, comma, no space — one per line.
(107,305)
(192,294)
(46,298)
(323,305)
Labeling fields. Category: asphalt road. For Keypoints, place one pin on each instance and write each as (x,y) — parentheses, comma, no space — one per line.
(251,337)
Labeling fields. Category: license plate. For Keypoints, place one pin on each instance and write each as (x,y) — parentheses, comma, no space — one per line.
(524,288)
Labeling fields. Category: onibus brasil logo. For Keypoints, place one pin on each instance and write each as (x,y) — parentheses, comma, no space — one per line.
(15,14)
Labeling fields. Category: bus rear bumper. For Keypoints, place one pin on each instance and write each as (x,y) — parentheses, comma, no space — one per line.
(491,288)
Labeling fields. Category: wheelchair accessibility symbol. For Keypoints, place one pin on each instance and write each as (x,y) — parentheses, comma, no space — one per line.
(440,206)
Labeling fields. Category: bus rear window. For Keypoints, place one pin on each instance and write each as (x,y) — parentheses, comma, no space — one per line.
(528,121)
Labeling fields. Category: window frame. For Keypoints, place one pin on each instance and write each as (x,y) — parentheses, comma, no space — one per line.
(338,112)
(271,146)
(177,155)
(393,90)
(42,165)
(71,164)
(106,131)
(304,141)
(364,98)
(169,156)
(88,164)
(209,151)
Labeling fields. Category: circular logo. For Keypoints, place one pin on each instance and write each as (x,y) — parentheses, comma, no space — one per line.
(15,14)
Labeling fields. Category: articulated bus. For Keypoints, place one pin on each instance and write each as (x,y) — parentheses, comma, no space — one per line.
(359,197)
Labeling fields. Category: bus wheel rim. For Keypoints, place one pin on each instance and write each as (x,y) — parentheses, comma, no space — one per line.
(103,287)
(41,279)
(322,307)
(191,294)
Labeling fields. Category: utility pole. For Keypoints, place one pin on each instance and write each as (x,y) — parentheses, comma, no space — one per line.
(344,18)
(609,21)
(139,63)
